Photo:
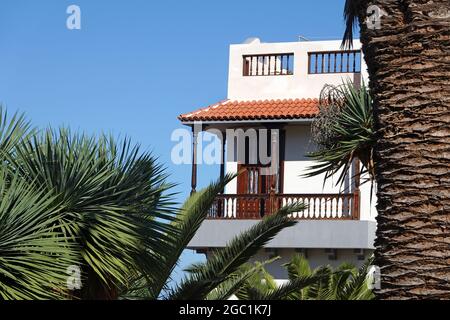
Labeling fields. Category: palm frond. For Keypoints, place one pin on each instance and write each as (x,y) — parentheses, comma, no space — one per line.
(13,130)
(298,267)
(343,283)
(321,290)
(352,9)
(340,277)
(194,267)
(357,287)
(113,201)
(344,133)
(226,261)
(257,285)
(34,255)
(188,221)
(237,281)
(287,289)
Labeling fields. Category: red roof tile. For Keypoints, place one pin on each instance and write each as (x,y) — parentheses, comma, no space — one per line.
(255,110)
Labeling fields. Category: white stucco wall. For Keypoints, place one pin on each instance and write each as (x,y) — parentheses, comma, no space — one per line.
(299,85)
(231,168)
(298,144)
(368,205)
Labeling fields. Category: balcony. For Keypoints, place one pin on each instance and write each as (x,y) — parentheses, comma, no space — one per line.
(327,62)
(268,64)
(290,70)
(343,206)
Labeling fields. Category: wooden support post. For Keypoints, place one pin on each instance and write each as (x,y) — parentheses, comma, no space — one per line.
(194,160)
(220,204)
(223,160)
(275,141)
(282,160)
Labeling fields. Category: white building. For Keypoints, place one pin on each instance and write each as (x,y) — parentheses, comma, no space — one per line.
(275,86)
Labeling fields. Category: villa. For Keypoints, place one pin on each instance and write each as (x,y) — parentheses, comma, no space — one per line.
(273,91)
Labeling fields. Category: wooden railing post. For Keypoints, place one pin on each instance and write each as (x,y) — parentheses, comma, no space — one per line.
(219,207)
(272,201)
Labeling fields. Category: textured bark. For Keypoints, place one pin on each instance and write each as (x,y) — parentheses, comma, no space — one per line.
(409,67)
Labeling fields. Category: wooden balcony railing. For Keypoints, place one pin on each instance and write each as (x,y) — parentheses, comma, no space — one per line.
(319,206)
(279,64)
(334,62)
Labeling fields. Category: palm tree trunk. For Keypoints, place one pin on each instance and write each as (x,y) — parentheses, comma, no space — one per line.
(95,289)
(409,67)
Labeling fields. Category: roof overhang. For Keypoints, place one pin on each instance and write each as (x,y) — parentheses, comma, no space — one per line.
(239,122)
(251,112)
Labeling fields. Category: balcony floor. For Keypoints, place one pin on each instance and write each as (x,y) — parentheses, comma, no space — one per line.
(336,234)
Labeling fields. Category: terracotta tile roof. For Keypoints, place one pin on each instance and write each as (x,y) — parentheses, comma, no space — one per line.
(255,110)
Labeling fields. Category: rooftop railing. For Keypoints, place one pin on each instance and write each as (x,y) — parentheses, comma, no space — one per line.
(323,62)
(268,64)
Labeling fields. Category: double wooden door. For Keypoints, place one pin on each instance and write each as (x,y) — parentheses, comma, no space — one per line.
(253,188)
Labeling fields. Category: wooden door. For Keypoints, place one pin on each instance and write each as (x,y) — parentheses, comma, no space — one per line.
(253,190)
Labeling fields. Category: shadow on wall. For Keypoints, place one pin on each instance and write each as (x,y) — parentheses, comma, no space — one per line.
(299,143)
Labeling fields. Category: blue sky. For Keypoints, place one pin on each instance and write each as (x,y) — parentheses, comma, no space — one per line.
(135,65)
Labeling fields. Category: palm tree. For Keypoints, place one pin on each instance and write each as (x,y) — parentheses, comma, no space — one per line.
(110,204)
(218,277)
(324,283)
(408,64)
(74,200)
(262,286)
(346,282)
(33,255)
(343,131)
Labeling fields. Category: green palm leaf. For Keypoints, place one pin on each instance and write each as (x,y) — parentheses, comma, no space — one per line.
(352,10)
(287,289)
(343,132)
(296,268)
(112,200)
(239,280)
(357,287)
(226,261)
(13,130)
(188,221)
(34,255)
